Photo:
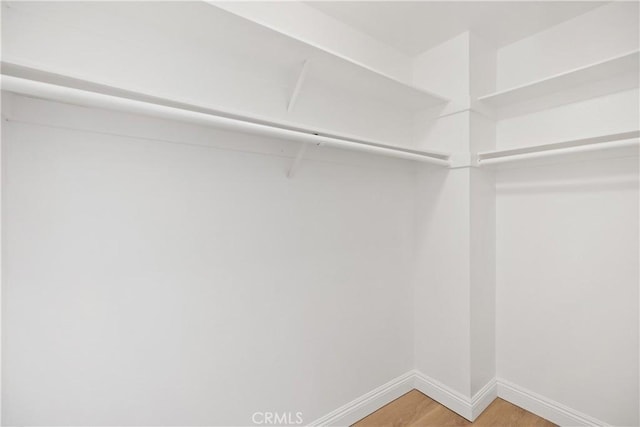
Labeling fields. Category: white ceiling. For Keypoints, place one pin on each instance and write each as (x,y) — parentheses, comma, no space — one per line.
(415,26)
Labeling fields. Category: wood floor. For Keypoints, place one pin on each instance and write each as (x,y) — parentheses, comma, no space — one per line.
(416,409)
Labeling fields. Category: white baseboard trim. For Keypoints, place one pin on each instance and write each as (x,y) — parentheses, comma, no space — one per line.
(543,407)
(375,399)
(454,400)
(368,403)
(483,398)
(439,392)
(457,402)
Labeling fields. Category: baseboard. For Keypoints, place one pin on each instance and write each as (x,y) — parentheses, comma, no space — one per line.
(439,392)
(483,398)
(543,407)
(457,402)
(374,400)
(368,403)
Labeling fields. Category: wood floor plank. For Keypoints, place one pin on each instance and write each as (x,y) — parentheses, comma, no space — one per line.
(415,409)
(532,420)
(500,413)
(440,416)
(403,411)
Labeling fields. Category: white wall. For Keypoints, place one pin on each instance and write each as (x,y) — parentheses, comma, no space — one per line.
(455,251)
(604,32)
(296,294)
(445,67)
(567,285)
(615,113)
(567,234)
(442,275)
(483,279)
(159,283)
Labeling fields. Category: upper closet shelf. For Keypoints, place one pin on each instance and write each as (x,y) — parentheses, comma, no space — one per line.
(366,82)
(200,54)
(571,81)
(336,68)
(334,71)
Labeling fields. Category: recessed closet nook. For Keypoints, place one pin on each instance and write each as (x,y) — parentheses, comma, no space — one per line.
(293,213)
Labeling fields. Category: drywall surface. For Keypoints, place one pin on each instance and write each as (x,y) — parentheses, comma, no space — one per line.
(482,282)
(454,278)
(615,113)
(160,281)
(567,285)
(482,200)
(441,281)
(445,69)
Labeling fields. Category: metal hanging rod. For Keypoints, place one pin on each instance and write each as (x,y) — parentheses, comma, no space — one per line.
(70,95)
(604,142)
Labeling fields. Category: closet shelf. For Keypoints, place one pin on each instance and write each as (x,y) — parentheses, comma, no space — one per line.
(349,76)
(203,56)
(258,56)
(569,80)
(602,143)
(120,100)
(340,71)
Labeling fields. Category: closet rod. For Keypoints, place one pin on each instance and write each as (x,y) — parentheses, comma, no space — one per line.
(85,98)
(608,145)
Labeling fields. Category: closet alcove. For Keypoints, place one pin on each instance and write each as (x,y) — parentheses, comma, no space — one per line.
(212,210)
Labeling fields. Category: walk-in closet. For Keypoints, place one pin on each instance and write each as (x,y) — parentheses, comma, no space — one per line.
(323,213)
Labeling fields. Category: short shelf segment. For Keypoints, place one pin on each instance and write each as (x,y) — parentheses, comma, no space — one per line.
(604,142)
(603,70)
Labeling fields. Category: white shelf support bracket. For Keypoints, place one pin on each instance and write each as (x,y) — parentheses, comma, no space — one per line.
(297,160)
(298,86)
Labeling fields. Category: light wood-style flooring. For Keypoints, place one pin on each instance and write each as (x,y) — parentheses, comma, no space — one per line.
(415,409)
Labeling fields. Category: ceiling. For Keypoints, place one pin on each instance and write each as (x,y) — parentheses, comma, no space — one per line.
(415,26)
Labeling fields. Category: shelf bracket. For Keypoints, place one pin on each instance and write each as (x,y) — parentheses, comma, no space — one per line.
(298,86)
(297,160)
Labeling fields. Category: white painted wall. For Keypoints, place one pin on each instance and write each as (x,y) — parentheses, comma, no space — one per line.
(441,281)
(567,234)
(482,271)
(615,113)
(482,244)
(442,258)
(149,282)
(567,285)
(454,280)
(455,249)
(266,263)
(445,68)
(604,32)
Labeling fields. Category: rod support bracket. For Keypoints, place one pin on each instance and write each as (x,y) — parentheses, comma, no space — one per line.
(461,160)
(295,165)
